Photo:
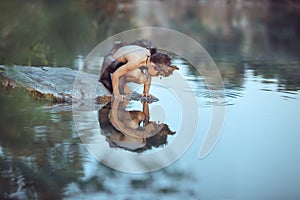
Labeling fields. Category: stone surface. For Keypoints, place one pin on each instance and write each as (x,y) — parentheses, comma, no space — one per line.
(57,84)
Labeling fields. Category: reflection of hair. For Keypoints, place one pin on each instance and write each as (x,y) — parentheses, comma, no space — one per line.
(158,139)
(162,64)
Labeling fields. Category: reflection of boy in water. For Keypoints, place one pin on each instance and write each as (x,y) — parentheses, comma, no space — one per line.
(141,138)
(133,62)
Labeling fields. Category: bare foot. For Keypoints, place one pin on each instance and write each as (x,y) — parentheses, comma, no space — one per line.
(120,97)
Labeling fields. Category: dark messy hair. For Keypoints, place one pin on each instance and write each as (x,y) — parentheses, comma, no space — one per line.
(162,64)
(161,58)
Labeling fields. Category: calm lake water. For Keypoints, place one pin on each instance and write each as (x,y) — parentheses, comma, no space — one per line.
(255,45)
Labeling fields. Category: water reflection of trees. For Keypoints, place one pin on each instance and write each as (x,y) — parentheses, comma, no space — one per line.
(287,75)
(39,156)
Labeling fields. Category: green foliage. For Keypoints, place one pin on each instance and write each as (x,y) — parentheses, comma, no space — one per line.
(54,33)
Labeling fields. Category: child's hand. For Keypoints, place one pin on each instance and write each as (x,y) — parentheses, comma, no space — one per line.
(147,95)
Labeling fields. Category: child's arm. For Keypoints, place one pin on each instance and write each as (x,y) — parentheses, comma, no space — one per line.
(147,85)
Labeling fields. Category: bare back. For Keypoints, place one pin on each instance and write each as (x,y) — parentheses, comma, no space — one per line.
(131,53)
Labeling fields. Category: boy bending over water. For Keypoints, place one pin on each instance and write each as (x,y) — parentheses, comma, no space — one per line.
(134,62)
